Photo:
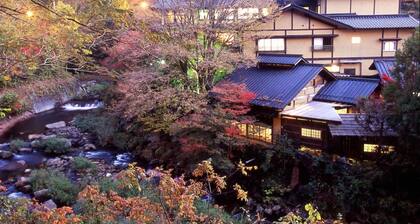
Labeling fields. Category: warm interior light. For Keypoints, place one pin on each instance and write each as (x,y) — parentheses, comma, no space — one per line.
(333,68)
(144,5)
(356,40)
(29,13)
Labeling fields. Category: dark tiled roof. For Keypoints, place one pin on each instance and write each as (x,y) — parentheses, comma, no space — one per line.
(347,90)
(314,15)
(376,21)
(383,66)
(280,59)
(351,125)
(276,87)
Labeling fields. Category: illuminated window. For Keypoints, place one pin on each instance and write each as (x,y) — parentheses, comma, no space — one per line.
(342,111)
(311,133)
(203,14)
(247,13)
(356,40)
(333,68)
(369,148)
(265,12)
(275,44)
(390,45)
(256,131)
(322,43)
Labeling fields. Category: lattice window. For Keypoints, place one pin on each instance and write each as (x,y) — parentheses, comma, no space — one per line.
(311,133)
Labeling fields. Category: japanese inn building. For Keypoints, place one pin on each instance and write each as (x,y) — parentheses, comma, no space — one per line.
(314,62)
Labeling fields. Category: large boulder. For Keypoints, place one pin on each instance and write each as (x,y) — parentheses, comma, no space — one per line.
(5,154)
(60,124)
(42,195)
(50,204)
(34,136)
(22,181)
(4,146)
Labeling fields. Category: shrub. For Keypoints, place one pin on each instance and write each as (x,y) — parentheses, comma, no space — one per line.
(54,145)
(17,144)
(10,103)
(60,187)
(82,164)
(103,127)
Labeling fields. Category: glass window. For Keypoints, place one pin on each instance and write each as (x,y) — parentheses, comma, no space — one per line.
(342,111)
(265,12)
(247,13)
(322,43)
(203,14)
(318,43)
(350,71)
(369,148)
(356,40)
(275,44)
(390,45)
(256,131)
(311,133)
(333,68)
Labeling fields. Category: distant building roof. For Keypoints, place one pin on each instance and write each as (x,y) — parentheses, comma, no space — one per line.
(347,90)
(277,87)
(316,110)
(383,66)
(314,15)
(351,126)
(376,21)
(280,59)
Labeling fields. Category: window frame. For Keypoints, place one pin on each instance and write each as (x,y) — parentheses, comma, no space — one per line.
(385,42)
(344,71)
(311,133)
(281,48)
(254,131)
(322,44)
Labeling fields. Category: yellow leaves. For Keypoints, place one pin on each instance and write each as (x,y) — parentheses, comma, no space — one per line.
(87,52)
(205,169)
(244,168)
(6,78)
(240,193)
(313,215)
(121,4)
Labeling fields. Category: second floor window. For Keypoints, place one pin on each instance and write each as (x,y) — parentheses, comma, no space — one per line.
(390,45)
(275,44)
(322,43)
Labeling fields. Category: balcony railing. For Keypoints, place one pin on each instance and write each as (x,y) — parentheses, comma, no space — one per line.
(323,48)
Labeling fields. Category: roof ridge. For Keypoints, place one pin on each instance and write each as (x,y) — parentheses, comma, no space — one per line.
(281,55)
(377,15)
(368,79)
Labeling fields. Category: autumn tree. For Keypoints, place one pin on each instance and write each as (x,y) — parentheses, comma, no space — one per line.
(199,39)
(47,38)
(403,95)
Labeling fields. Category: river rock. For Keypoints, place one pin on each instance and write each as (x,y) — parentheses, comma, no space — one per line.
(60,124)
(50,204)
(42,195)
(25,150)
(44,137)
(22,181)
(21,163)
(5,154)
(34,136)
(27,171)
(56,162)
(89,146)
(4,146)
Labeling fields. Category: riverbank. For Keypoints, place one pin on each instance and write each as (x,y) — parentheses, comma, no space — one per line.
(8,123)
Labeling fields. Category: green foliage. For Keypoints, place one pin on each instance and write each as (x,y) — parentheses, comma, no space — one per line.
(10,104)
(103,127)
(403,96)
(218,213)
(83,164)
(55,145)
(17,144)
(61,189)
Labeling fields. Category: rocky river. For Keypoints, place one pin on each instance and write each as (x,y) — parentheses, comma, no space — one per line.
(54,121)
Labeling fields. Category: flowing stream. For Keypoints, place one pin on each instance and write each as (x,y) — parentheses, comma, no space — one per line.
(14,166)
